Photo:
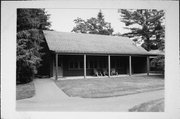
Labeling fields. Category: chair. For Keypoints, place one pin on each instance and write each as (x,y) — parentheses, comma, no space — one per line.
(104,72)
(114,72)
(96,72)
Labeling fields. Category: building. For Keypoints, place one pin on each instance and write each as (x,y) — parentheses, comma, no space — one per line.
(77,54)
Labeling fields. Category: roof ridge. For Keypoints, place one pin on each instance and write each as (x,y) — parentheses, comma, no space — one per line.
(88,34)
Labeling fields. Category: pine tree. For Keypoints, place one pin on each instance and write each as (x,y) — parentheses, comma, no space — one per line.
(150,24)
(151,30)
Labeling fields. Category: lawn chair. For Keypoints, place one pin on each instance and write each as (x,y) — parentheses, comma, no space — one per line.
(104,72)
(96,72)
(114,72)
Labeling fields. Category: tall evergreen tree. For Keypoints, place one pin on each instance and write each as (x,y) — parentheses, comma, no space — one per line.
(150,26)
(30,23)
(93,25)
(150,29)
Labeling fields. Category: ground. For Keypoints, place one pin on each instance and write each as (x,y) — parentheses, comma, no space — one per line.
(49,97)
(25,91)
(110,87)
(151,106)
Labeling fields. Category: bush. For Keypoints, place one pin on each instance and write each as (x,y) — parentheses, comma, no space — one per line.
(24,73)
(28,55)
(158,62)
(30,23)
(24,91)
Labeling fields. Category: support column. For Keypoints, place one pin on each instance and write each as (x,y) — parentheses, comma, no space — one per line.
(148,69)
(56,77)
(109,65)
(84,66)
(130,66)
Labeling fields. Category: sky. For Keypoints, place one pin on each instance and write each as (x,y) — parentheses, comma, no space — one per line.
(63,19)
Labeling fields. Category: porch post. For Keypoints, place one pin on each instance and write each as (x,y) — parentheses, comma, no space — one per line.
(84,66)
(130,66)
(109,65)
(56,77)
(148,65)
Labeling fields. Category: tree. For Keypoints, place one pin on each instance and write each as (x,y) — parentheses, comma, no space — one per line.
(150,26)
(32,19)
(93,25)
(151,30)
(30,23)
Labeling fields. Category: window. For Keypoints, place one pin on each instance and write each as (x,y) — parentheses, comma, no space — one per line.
(95,64)
(88,64)
(91,64)
(71,64)
(81,64)
(104,65)
(112,64)
(100,64)
(75,64)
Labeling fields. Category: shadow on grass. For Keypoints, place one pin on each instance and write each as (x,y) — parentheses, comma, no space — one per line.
(151,106)
(25,90)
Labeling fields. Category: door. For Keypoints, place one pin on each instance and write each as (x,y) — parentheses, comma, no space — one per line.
(60,67)
(60,70)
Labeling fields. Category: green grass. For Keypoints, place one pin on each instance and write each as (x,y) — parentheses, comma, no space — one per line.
(109,87)
(25,91)
(151,106)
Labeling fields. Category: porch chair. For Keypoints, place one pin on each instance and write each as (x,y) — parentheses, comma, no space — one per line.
(96,72)
(104,72)
(114,72)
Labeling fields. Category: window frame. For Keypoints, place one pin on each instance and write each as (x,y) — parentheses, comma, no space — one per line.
(74,63)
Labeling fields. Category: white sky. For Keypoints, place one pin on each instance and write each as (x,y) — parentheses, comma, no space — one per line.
(62,19)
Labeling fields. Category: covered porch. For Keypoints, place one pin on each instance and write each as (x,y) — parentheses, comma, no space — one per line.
(85,66)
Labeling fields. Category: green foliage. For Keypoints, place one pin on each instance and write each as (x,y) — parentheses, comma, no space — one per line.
(93,25)
(30,23)
(151,28)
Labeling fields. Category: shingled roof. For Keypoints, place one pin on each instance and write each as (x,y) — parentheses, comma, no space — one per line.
(67,42)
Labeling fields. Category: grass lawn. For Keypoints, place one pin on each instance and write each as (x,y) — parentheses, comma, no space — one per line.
(25,91)
(109,87)
(151,106)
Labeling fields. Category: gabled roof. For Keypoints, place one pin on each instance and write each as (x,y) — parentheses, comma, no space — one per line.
(67,42)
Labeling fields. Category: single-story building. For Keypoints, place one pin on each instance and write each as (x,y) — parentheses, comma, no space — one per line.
(77,54)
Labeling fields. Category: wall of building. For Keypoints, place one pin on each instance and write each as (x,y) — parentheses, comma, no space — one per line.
(119,63)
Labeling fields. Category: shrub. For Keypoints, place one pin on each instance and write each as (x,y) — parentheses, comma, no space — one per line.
(30,23)
(28,56)
(158,62)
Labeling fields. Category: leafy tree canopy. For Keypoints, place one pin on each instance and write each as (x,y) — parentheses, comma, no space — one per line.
(32,19)
(93,25)
(30,23)
(150,26)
